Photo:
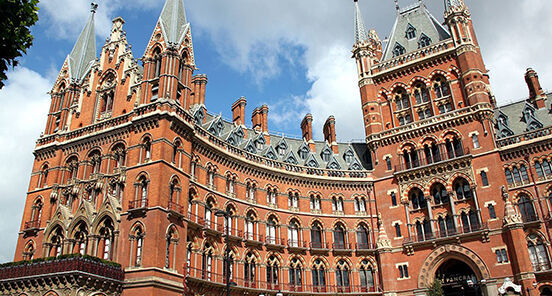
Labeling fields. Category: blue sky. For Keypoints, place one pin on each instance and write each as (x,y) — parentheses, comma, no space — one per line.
(292,55)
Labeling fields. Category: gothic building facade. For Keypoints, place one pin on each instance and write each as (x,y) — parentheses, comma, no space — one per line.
(132,168)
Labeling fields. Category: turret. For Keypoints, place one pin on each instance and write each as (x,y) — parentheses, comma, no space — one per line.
(367,51)
(474,77)
(169,58)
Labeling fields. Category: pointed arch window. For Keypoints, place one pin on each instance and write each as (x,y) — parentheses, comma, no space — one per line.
(56,242)
(342,276)
(340,237)
(271,234)
(293,200)
(146,149)
(421,94)
(138,237)
(366,277)
(80,242)
(272,273)
(295,275)
(337,204)
(316,236)
(410,32)
(441,88)
(29,251)
(106,238)
(36,211)
(209,207)
(318,276)
(401,99)
(360,204)
(398,50)
(424,41)
(157,63)
(363,238)
(142,188)
(250,226)
(417,198)
(439,194)
(431,153)
(537,253)
(271,196)
(171,239)
(249,270)
(315,202)
(526,209)
(207,262)
(463,189)
(294,233)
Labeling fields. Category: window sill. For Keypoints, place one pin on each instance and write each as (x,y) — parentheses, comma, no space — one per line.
(403,279)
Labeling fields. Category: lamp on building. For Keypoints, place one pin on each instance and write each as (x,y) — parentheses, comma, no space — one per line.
(226,215)
(279,294)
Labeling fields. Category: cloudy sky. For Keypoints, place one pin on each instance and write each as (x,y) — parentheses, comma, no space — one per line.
(292,55)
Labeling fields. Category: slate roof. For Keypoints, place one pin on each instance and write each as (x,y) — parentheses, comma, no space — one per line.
(173,22)
(423,23)
(83,55)
(352,156)
(520,117)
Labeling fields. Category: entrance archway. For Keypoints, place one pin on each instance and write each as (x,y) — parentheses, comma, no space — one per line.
(458,279)
(546,291)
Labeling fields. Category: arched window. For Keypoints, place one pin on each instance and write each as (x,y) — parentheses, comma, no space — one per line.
(446,226)
(537,253)
(401,99)
(119,154)
(176,152)
(410,157)
(72,167)
(43,179)
(315,202)
(463,189)
(293,200)
(106,96)
(29,251)
(423,230)
(142,188)
(439,194)
(228,267)
(454,148)
(360,204)
(441,87)
(182,66)
(80,239)
(342,277)
(250,226)
(417,198)
(470,221)
(209,208)
(509,177)
(95,160)
(340,240)
(157,63)
(138,240)
(271,234)
(363,238)
(272,273)
(171,239)
(146,149)
(36,211)
(229,220)
(316,236)
(431,153)
(207,262)
(230,184)
(294,236)
(250,192)
(526,209)
(366,277)
(249,270)
(421,94)
(295,275)
(271,195)
(337,204)
(318,276)
(56,242)
(105,239)
(524,175)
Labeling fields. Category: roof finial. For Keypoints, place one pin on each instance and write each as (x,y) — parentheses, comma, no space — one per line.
(397,7)
(93,7)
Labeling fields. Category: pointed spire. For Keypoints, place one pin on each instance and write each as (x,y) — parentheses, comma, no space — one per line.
(83,55)
(453,4)
(360,28)
(383,240)
(173,22)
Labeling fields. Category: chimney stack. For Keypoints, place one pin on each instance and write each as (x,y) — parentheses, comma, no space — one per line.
(329,134)
(199,83)
(536,95)
(306,127)
(260,119)
(238,111)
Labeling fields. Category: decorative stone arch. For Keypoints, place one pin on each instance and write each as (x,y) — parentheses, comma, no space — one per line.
(155,45)
(212,197)
(445,134)
(448,252)
(317,221)
(517,194)
(456,176)
(299,257)
(342,222)
(94,229)
(71,228)
(421,79)
(343,258)
(251,210)
(363,223)
(272,187)
(454,71)
(278,217)
(106,74)
(213,244)
(384,93)
(51,293)
(296,218)
(371,260)
(407,190)
(172,229)
(439,72)
(276,255)
(396,85)
(323,259)
(135,226)
(405,145)
(51,227)
(427,139)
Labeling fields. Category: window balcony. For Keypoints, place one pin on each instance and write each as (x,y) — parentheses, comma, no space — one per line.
(31,225)
(195,220)
(275,242)
(541,267)
(140,204)
(448,234)
(341,247)
(176,209)
(319,246)
(365,247)
(424,161)
(297,245)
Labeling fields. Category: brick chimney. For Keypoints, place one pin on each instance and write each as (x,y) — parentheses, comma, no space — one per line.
(238,111)
(329,134)
(260,119)
(199,83)
(536,95)
(306,127)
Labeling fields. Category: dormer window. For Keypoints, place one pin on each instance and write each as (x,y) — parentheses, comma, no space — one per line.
(502,121)
(326,154)
(410,32)
(424,41)
(398,50)
(527,114)
(303,152)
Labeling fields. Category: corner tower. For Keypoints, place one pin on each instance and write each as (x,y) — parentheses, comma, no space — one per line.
(169,58)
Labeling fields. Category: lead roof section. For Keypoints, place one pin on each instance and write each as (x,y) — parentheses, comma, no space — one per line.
(416,17)
(352,156)
(521,117)
(173,22)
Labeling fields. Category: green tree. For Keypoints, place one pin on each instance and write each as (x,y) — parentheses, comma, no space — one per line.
(435,289)
(16,18)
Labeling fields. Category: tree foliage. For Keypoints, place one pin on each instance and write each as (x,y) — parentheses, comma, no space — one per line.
(435,288)
(16,18)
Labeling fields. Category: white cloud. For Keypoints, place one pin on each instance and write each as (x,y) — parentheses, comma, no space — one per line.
(22,119)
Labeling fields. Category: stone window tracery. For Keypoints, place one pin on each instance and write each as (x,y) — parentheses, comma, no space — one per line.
(342,275)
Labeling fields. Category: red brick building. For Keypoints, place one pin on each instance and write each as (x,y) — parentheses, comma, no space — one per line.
(132,168)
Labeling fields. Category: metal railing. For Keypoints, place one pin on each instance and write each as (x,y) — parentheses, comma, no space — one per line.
(174,207)
(31,225)
(435,159)
(138,204)
(460,231)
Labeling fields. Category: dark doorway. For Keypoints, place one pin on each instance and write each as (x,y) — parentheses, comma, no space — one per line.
(546,291)
(458,279)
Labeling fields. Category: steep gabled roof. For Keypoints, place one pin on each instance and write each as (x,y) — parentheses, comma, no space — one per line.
(419,18)
(83,55)
(360,29)
(173,22)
